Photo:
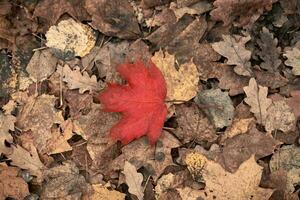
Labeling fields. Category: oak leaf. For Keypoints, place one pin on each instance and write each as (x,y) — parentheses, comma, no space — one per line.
(134,180)
(141,102)
(257,99)
(233,48)
(293,59)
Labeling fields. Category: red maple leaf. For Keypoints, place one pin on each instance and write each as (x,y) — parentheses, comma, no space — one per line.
(141,102)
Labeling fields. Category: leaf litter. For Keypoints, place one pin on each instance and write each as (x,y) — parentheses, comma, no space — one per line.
(108,99)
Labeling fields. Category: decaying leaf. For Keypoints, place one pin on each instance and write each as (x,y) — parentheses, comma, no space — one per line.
(243,184)
(287,158)
(293,59)
(113,18)
(182,84)
(257,99)
(12,186)
(42,64)
(221,110)
(6,124)
(77,80)
(193,125)
(238,126)
(280,117)
(100,192)
(71,37)
(134,180)
(240,12)
(64,182)
(236,150)
(294,103)
(233,48)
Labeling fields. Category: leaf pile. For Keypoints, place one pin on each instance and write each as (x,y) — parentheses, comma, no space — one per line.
(150,99)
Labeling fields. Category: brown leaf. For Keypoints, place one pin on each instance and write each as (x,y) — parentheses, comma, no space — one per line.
(64,182)
(6,124)
(100,192)
(140,154)
(240,12)
(280,117)
(5,7)
(113,18)
(52,10)
(12,186)
(257,99)
(233,48)
(78,103)
(268,51)
(293,59)
(193,125)
(42,64)
(238,126)
(243,184)
(77,80)
(271,80)
(134,180)
(294,103)
(239,148)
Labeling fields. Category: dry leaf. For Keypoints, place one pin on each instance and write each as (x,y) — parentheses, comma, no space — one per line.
(182,84)
(233,48)
(9,107)
(134,180)
(27,160)
(257,99)
(193,125)
(221,111)
(238,126)
(6,124)
(113,18)
(72,37)
(40,115)
(287,158)
(76,80)
(102,193)
(294,102)
(241,12)
(280,117)
(293,59)
(11,185)
(42,64)
(243,184)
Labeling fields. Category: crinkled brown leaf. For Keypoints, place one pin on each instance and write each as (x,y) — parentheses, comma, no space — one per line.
(258,100)
(293,59)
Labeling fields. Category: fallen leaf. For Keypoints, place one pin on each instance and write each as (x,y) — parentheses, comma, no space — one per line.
(12,186)
(269,52)
(293,59)
(280,117)
(182,84)
(238,126)
(39,115)
(134,180)
(5,7)
(219,183)
(42,64)
(240,12)
(195,163)
(239,148)
(287,159)
(113,18)
(9,107)
(100,192)
(140,154)
(233,48)
(221,110)
(294,102)
(193,125)
(70,37)
(197,8)
(64,182)
(257,99)
(52,10)
(6,124)
(142,104)
(30,161)
(77,80)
